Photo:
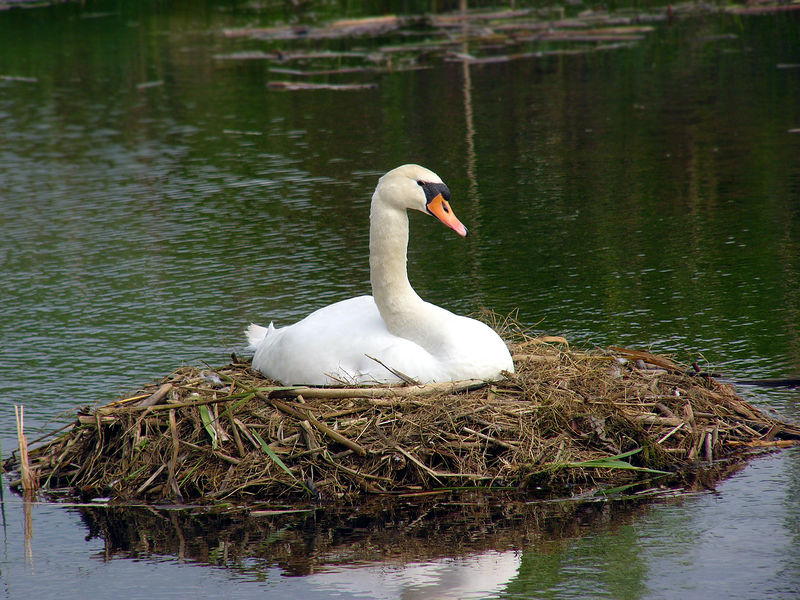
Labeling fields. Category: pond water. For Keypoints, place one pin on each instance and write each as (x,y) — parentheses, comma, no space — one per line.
(158,195)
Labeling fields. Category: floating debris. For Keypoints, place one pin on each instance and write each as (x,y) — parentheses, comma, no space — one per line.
(298,85)
(394,43)
(19,78)
(372,46)
(149,84)
(336,29)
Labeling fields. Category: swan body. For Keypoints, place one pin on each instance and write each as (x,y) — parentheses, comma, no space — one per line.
(392,335)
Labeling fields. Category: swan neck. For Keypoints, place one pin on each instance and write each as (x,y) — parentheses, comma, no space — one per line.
(388,245)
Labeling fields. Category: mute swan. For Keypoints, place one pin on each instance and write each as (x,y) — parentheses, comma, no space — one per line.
(356,340)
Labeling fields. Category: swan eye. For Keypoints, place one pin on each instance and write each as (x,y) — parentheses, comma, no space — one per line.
(434,189)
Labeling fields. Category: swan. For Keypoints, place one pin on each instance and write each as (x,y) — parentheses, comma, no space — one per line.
(393,335)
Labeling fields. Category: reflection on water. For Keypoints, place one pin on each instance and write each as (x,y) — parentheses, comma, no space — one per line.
(155,199)
(462,578)
(450,547)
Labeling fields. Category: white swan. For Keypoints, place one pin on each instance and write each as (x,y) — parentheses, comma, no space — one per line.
(356,340)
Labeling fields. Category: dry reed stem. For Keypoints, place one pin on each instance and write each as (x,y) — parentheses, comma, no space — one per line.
(28,482)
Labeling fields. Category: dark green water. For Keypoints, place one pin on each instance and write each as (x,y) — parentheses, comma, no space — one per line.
(156,197)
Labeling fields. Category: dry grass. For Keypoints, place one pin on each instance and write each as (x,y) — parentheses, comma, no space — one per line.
(566,418)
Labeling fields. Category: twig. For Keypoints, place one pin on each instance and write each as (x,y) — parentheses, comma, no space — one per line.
(665,410)
(115,410)
(436,474)
(150,479)
(173,483)
(306,415)
(489,438)
(399,374)
(301,415)
(763,444)
(656,420)
(229,459)
(236,437)
(246,433)
(308,434)
(49,434)
(155,398)
(671,431)
(428,389)
(329,458)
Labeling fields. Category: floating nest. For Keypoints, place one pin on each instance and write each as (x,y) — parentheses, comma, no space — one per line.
(567,422)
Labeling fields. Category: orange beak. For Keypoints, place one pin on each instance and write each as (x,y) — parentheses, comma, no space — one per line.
(440,209)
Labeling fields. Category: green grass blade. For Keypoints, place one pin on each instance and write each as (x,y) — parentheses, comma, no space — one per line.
(614,462)
(627,454)
(208,423)
(232,408)
(620,489)
(275,458)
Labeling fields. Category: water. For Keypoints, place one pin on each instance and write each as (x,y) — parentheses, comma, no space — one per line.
(157,197)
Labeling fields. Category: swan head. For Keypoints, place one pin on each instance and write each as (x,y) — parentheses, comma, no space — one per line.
(413,186)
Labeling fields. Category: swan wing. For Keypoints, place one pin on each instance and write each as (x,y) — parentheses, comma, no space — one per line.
(335,344)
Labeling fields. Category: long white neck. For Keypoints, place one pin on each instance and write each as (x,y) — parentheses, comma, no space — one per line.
(403,311)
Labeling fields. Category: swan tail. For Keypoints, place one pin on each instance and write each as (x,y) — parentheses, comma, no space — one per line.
(256,334)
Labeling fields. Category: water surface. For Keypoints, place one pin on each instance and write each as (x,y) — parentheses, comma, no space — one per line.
(157,197)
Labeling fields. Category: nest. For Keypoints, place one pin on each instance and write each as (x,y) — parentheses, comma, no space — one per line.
(565,422)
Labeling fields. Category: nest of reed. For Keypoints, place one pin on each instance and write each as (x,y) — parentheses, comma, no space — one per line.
(566,422)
